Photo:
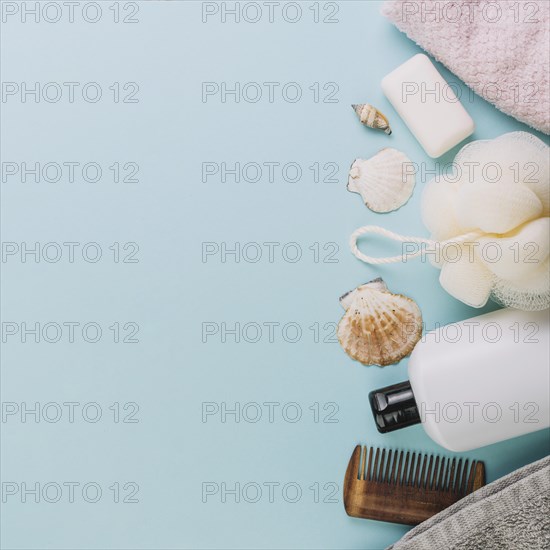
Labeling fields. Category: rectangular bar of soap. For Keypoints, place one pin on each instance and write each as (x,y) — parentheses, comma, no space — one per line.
(427,105)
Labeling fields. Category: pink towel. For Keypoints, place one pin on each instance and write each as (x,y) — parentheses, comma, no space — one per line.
(500,49)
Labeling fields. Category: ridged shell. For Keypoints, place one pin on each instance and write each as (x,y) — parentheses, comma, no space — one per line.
(370,116)
(379,327)
(385,181)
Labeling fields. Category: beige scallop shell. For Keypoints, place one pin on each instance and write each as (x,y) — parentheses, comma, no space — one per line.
(379,327)
(385,181)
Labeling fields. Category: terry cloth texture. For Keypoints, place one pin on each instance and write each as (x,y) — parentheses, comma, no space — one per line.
(500,49)
(512,513)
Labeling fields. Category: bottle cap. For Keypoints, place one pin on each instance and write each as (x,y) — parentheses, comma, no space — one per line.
(394,407)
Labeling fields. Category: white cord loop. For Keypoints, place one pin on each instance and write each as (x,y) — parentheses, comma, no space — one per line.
(400,238)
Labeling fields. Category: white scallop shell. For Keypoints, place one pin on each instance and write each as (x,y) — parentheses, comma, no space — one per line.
(385,181)
(378,328)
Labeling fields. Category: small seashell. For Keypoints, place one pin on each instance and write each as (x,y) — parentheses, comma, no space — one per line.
(379,327)
(370,116)
(383,181)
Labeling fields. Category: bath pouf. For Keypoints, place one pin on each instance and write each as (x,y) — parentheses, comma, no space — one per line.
(498,191)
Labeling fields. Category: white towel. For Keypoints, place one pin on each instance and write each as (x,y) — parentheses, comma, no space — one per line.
(500,49)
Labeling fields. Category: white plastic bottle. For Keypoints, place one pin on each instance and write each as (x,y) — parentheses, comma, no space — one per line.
(475,382)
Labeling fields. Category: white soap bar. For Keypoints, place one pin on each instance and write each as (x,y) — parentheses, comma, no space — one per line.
(428,105)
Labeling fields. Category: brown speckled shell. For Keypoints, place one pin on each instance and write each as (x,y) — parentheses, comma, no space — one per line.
(379,328)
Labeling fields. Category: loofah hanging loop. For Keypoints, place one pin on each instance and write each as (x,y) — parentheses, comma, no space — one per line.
(377,230)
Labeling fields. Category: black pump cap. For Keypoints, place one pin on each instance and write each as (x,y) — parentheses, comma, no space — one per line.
(394,407)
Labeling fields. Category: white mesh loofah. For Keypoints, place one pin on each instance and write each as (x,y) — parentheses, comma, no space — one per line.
(513,257)
(441,221)
(495,207)
(530,295)
(479,279)
(494,210)
(521,157)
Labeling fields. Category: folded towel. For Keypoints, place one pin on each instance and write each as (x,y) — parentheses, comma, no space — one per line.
(500,49)
(510,513)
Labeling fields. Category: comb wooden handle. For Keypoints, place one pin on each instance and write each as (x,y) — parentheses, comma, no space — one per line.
(404,487)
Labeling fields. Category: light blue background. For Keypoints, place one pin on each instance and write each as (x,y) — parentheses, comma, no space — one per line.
(171,292)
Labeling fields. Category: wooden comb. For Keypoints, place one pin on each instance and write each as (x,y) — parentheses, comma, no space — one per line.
(404,487)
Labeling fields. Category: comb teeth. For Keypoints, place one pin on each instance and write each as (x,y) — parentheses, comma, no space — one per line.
(416,470)
(405,487)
